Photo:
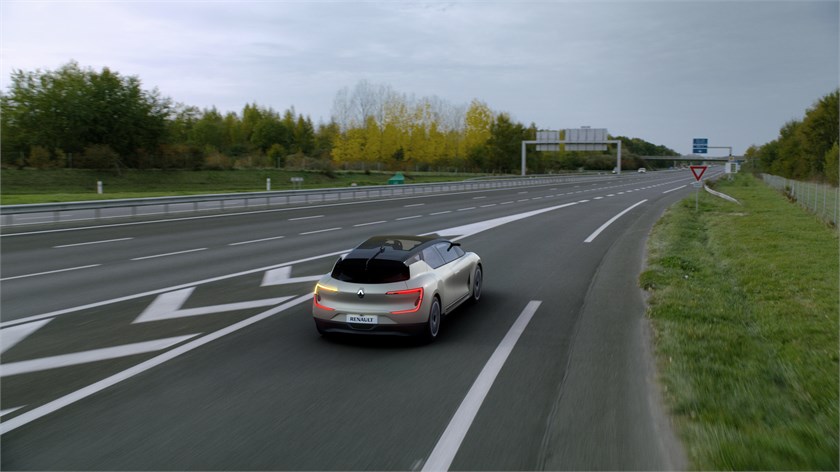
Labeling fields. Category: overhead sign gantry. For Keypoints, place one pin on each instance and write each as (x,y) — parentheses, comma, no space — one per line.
(576,139)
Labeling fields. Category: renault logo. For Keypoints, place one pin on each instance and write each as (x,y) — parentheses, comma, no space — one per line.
(361,293)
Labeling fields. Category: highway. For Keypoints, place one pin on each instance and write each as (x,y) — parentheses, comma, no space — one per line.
(188,343)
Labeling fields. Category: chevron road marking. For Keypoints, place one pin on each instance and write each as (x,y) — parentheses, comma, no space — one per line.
(9,410)
(168,305)
(15,334)
(84,357)
(283,275)
(85,392)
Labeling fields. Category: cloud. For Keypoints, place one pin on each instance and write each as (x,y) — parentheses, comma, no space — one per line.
(662,71)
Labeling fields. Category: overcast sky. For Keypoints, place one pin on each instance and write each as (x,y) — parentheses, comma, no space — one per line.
(666,72)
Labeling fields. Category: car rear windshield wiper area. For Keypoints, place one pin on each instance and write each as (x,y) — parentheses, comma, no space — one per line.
(371,271)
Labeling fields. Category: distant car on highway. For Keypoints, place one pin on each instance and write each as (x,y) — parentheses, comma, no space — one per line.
(642,170)
(397,285)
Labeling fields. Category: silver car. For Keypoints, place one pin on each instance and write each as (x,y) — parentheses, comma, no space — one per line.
(396,285)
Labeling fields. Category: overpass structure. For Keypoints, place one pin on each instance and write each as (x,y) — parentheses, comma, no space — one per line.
(694,158)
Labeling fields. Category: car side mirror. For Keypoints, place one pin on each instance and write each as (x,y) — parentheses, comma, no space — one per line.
(452,244)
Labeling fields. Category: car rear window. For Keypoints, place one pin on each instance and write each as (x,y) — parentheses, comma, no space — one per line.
(433,257)
(449,252)
(377,271)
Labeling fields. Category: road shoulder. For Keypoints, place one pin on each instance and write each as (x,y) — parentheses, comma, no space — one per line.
(619,409)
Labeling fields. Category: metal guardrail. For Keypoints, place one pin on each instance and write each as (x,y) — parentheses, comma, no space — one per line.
(29,214)
(820,199)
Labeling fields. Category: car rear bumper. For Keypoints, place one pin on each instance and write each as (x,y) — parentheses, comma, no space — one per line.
(325,326)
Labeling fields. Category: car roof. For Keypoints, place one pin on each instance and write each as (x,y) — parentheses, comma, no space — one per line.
(410,245)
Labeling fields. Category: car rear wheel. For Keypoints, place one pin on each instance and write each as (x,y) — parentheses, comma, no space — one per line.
(433,325)
(477,282)
(321,331)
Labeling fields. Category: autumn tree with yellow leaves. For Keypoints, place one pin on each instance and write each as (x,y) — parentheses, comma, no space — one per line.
(380,127)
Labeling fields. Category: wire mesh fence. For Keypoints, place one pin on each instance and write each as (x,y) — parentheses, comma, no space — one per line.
(821,199)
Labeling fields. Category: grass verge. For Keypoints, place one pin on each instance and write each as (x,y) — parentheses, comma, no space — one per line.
(69,185)
(744,306)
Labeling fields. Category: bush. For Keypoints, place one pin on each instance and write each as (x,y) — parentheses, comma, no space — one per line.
(99,156)
(41,158)
(217,161)
(277,155)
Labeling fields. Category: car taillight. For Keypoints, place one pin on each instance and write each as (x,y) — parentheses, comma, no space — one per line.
(417,302)
(317,298)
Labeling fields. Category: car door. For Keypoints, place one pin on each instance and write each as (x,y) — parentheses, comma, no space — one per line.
(457,273)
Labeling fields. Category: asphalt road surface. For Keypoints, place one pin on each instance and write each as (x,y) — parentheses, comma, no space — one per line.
(188,344)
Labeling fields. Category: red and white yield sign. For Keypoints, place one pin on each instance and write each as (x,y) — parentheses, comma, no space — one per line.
(698,171)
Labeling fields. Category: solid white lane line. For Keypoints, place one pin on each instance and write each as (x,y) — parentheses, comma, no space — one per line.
(256,241)
(92,242)
(319,231)
(305,217)
(413,205)
(85,357)
(440,212)
(450,441)
(409,217)
(85,392)
(611,220)
(169,254)
(50,272)
(673,189)
(368,224)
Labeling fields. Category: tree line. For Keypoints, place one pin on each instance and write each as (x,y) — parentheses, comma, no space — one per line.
(806,149)
(82,118)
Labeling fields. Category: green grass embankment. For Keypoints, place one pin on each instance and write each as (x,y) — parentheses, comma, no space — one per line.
(66,185)
(744,306)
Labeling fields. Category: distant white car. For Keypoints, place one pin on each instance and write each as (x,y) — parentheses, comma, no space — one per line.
(642,170)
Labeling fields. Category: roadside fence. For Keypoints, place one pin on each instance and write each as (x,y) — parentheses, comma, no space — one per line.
(821,199)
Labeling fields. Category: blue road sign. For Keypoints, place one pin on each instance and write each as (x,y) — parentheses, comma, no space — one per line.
(701,142)
(700,150)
